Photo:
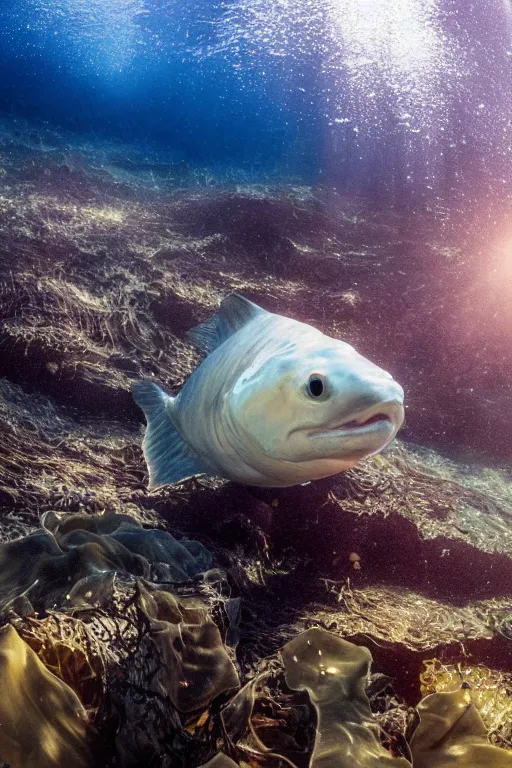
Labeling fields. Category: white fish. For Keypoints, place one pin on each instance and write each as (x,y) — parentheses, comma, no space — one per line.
(275,402)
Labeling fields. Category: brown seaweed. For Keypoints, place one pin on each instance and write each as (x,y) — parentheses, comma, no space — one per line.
(220,761)
(75,563)
(490,692)
(43,723)
(265,721)
(452,733)
(333,672)
(195,667)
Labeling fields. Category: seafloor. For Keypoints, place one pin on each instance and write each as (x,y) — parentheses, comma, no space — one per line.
(151,626)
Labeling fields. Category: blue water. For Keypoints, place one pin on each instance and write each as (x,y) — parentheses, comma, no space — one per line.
(409,99)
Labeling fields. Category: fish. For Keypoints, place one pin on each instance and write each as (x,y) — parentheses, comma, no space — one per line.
(273,403)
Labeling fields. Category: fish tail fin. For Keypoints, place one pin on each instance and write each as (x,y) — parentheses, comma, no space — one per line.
(168,457)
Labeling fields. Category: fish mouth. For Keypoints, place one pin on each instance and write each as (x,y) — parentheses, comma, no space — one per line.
(354,424)
(384,419)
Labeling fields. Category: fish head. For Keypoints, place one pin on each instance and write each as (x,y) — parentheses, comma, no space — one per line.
(318,401)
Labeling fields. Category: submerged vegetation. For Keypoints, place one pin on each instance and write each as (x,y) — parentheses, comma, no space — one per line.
(165,625)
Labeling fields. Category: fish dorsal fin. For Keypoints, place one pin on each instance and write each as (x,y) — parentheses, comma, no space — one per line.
(233,314)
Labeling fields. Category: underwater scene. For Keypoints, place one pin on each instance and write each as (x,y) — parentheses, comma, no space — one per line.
(256,383)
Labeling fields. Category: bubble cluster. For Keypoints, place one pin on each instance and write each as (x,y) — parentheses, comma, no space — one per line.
(415,89)
(407,99)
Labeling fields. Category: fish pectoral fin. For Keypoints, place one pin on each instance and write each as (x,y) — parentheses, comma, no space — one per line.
(168,457)
(234,313)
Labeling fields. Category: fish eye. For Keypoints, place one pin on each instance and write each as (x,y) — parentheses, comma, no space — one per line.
(316,386)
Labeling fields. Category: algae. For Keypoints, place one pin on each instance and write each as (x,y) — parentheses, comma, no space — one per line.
(196,666)
(334,673)
(490,692)
(43,721)
(73,564)
(451,732)
(220,761)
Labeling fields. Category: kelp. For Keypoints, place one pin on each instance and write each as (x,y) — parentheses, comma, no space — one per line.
(74,562)
(220,761)
(74,650)
(42,720)
(334,672)
(147,658)
(449,732)
(78,592)
(490,692)
(265,721)
(196,667)
(452,733)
